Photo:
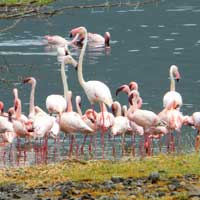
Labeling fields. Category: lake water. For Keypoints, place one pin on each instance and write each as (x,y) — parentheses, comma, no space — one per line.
(145,41)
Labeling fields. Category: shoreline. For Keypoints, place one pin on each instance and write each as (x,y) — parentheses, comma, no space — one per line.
(161,177)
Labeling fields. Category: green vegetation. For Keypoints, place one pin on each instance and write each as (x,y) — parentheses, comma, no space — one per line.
(24,2)
(98,171)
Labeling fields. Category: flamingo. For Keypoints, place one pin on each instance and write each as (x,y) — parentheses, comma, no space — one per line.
(58,40)
(121,124)
(194,121)
(96,91)
(89,119)
(144,118)
(6,126)
(94,39)
(172,95)
(128,90)
(57,103)
(71,122)
(42,122)
(174,120)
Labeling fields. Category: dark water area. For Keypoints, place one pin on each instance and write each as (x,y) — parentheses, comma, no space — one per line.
(145,42)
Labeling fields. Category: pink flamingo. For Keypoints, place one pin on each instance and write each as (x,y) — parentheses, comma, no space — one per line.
(93,38)
(71,122)
(121,124)
(174,121)
(42,123)
(96,91)
(57,103)
(58,40)
(172,95)
(144,118)
(6,126)
(194,121)
(90,120)
(128,90)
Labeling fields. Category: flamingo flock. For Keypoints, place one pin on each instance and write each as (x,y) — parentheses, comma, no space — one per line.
(61,118)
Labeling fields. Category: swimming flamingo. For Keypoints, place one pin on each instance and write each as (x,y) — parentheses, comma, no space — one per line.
(57,103)
(172,95)
(58,40)
(94,39)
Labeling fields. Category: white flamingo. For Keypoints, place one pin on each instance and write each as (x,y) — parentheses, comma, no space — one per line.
(96,91)
(172,95)
(57,103)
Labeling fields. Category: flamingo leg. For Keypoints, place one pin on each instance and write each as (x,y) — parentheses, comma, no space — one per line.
(133,144)
(197,141)
(82,146)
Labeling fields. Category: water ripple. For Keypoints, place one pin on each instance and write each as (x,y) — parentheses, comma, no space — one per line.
(11,43)
(27,53)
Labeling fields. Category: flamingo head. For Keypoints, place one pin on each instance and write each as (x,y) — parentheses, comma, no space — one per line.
(81,31)
(133,97)
(123,88)
(175,72)
(107,39)
(30,80)
(70,60)
(91,115)
(1,107)
(133,85)
(78,100)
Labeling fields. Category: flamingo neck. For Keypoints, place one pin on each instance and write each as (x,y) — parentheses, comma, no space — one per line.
(78,108)
(19,109)
(103,107)
(80,62)
(172,80)
(64,79)
(32,99)
(69,102)
(118,109)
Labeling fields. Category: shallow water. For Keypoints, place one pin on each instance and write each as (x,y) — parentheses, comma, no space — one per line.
(145,41)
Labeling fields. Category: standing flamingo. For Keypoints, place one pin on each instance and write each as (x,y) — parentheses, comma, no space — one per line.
(71,122)
(174,121)
(121,124)
(96,91)
(90,120)
(194,121)
(57,103)
(172,95)
(144,118)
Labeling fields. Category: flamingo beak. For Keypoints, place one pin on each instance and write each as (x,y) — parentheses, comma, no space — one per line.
(121,88)
(177,75)
(70,35)
(130,97)
(26,80)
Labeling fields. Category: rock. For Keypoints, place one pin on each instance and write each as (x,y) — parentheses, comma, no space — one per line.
(16,196)
(193,191)
(154,177)
(117,179)
(172,187)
